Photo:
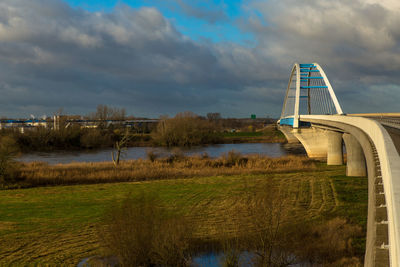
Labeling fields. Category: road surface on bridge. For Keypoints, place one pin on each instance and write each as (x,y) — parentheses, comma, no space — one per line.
(391,123)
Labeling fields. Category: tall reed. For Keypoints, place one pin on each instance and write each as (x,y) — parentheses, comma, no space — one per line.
(173,167)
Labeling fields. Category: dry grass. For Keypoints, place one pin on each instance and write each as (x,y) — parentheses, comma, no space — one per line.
(270,221)
(176,166)
(306,196)
(57,225)
(140,232)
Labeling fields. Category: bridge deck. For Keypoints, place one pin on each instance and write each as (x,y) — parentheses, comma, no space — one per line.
(391,123)
(383,164)
(395,135)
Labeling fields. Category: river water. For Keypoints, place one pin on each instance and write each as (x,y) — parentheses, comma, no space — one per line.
(266,149)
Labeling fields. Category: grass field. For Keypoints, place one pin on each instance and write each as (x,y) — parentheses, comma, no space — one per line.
(268,135)
(58,225)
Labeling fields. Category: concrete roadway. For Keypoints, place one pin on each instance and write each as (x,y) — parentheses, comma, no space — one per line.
(390,121)
(395,135)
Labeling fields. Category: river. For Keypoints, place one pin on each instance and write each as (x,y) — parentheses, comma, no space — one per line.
(267,149)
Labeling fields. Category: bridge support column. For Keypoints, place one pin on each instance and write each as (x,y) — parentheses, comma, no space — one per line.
(288,133)
(356,165)
(314,140)
(335,148)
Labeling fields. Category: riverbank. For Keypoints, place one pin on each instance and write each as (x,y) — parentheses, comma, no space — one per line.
(75,139)
(177,165)
(273,150)
(269,134)
(60,224)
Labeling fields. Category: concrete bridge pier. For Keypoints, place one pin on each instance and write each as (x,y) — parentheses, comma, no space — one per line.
(288,133)
(356,165)
(335,148)
(314,141)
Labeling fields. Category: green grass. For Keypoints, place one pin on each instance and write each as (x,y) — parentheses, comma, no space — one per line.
(268,134)
(353,196)
(57,225)
(352,192)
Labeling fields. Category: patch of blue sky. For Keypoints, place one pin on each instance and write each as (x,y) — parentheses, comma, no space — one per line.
(198,29)
(222,29)
(93,5)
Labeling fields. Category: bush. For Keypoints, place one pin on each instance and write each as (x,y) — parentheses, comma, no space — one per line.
(73,137)
(8,151)
(234,158)
(186,129)
(92,138)
(151,155)
(141,233)
(176,156)
(41,138)
(330,241)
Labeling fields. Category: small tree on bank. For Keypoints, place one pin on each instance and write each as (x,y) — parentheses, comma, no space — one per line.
(119,146)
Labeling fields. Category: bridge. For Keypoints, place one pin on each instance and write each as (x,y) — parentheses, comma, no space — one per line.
(312,115)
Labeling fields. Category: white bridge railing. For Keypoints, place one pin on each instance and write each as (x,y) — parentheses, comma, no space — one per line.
(390,169)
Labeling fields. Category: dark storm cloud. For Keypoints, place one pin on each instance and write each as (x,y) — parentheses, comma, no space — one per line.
(53,56)
(356,42)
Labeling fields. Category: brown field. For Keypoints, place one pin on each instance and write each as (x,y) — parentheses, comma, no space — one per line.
(59,224)
(176,166)
(233,197)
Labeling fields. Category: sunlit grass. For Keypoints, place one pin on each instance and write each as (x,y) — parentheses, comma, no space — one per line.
(58,224)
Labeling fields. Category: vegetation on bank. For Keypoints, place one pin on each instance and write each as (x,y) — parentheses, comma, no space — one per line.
(268,134)
(185,129)
(175,166)
(322,218)
(9,172)
(72,138)
(165,211)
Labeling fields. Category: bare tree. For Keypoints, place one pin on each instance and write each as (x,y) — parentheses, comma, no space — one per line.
(185,129)
(215,116)
(267,212)
(119,146)
(104,112)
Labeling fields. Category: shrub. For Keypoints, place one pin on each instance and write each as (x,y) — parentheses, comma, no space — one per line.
(73,137)
(141,233)
(234,158)
(176,156)
(151,155)
(330,241)
(92,138)
(267,212)
(8,151)
(185,129)
(205,155)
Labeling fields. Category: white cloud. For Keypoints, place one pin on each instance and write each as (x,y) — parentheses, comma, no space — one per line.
(356,41)
(71,58)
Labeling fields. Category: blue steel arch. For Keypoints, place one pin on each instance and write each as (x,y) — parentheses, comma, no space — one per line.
(308,82)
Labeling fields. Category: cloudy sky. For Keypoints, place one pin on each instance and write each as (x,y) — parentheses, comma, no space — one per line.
(157,57)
